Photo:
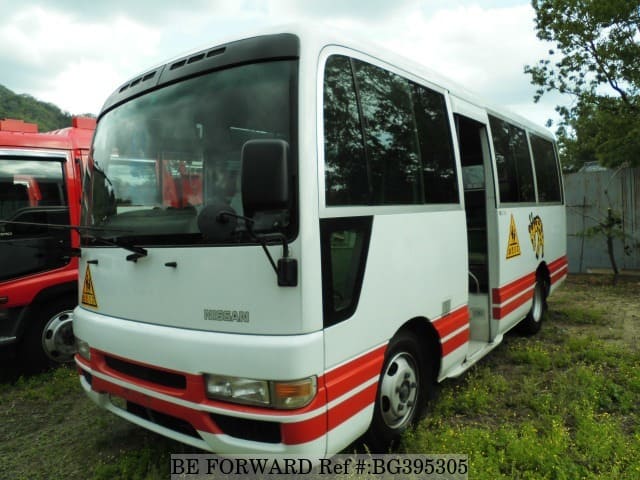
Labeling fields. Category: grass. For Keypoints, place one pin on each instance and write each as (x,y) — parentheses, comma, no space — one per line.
(559,405)
(562,405)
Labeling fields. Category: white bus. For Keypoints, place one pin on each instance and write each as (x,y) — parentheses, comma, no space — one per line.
(362,230)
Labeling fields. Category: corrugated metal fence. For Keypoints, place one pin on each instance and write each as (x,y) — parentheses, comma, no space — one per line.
(588,196)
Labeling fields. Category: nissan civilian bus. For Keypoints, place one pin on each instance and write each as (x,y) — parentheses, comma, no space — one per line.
(365,229)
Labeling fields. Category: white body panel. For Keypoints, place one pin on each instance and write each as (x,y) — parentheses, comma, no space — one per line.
(398,287)
(554,221)
(206,278)
(209,352)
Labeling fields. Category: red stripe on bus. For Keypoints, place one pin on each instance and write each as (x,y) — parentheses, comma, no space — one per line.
(343,378)
(346,377)
(198,419)
(347,409)
(195,390)
(305,431)
(510,290)
(559,275)
(452,321)
(516,287)
(316,427)
(455,342)
(558,264)
(503,311)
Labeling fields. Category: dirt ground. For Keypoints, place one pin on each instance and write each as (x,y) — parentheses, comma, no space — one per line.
(575,303)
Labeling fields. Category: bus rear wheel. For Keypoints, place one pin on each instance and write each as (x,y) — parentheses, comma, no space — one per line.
(402,393)
(533,321)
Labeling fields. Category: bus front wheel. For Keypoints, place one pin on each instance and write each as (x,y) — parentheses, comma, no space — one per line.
(401,395)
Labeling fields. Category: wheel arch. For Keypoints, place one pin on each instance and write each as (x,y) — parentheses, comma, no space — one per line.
(543,274)
(62,290)
(428,339)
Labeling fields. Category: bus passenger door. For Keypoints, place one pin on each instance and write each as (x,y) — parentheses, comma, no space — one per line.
(480,205)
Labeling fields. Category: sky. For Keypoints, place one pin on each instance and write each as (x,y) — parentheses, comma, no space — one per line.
(75,53)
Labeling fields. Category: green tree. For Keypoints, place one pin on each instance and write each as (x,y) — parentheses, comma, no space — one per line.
(596,61)
(25,107)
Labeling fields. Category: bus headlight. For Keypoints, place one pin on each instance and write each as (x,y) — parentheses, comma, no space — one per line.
(276,394)
(238,390)
(83,349)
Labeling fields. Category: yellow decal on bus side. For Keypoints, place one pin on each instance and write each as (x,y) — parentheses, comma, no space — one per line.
(513,246)
(536,232)
(88,294)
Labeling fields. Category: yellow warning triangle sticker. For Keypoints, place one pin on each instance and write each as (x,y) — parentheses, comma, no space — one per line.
(88,294)
(513,246)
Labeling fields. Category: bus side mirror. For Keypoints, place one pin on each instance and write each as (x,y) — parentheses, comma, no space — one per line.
(265,176)
(265,182)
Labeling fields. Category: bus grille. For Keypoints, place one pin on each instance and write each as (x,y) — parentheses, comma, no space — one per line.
(255,430)
(168,421)
(159,377)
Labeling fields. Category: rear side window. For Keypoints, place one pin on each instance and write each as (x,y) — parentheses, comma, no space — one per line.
(547,176)
(387,140)
(513,162)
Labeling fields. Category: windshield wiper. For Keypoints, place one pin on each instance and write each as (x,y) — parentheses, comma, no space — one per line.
(138,252)
(62,226)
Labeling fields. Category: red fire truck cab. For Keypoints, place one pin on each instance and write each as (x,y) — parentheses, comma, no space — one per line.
(40,185)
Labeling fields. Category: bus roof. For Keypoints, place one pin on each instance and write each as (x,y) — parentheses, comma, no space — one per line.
(312,40)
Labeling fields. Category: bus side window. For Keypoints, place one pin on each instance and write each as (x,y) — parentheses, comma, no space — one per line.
(346,179)
(547,179)
(439,172)
(387,140)
(392,147)
(513,162)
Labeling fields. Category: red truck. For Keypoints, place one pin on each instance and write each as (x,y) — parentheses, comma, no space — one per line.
(40,185)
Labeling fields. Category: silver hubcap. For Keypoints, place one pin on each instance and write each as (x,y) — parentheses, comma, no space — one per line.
(58,341)
(399,390)
(536,308)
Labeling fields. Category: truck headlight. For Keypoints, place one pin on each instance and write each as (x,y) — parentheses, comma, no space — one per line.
(265,393)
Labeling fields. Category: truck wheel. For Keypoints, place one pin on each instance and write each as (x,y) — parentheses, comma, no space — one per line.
(402,393)
(49,338)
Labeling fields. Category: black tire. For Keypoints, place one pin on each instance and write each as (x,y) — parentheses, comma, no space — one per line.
(403,390)
(531,324)
(48,340)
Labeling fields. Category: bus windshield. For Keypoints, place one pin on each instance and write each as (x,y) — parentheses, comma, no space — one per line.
(159,159)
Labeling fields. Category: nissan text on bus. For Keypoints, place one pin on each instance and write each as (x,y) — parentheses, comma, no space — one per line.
(40,183)
(365,230)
